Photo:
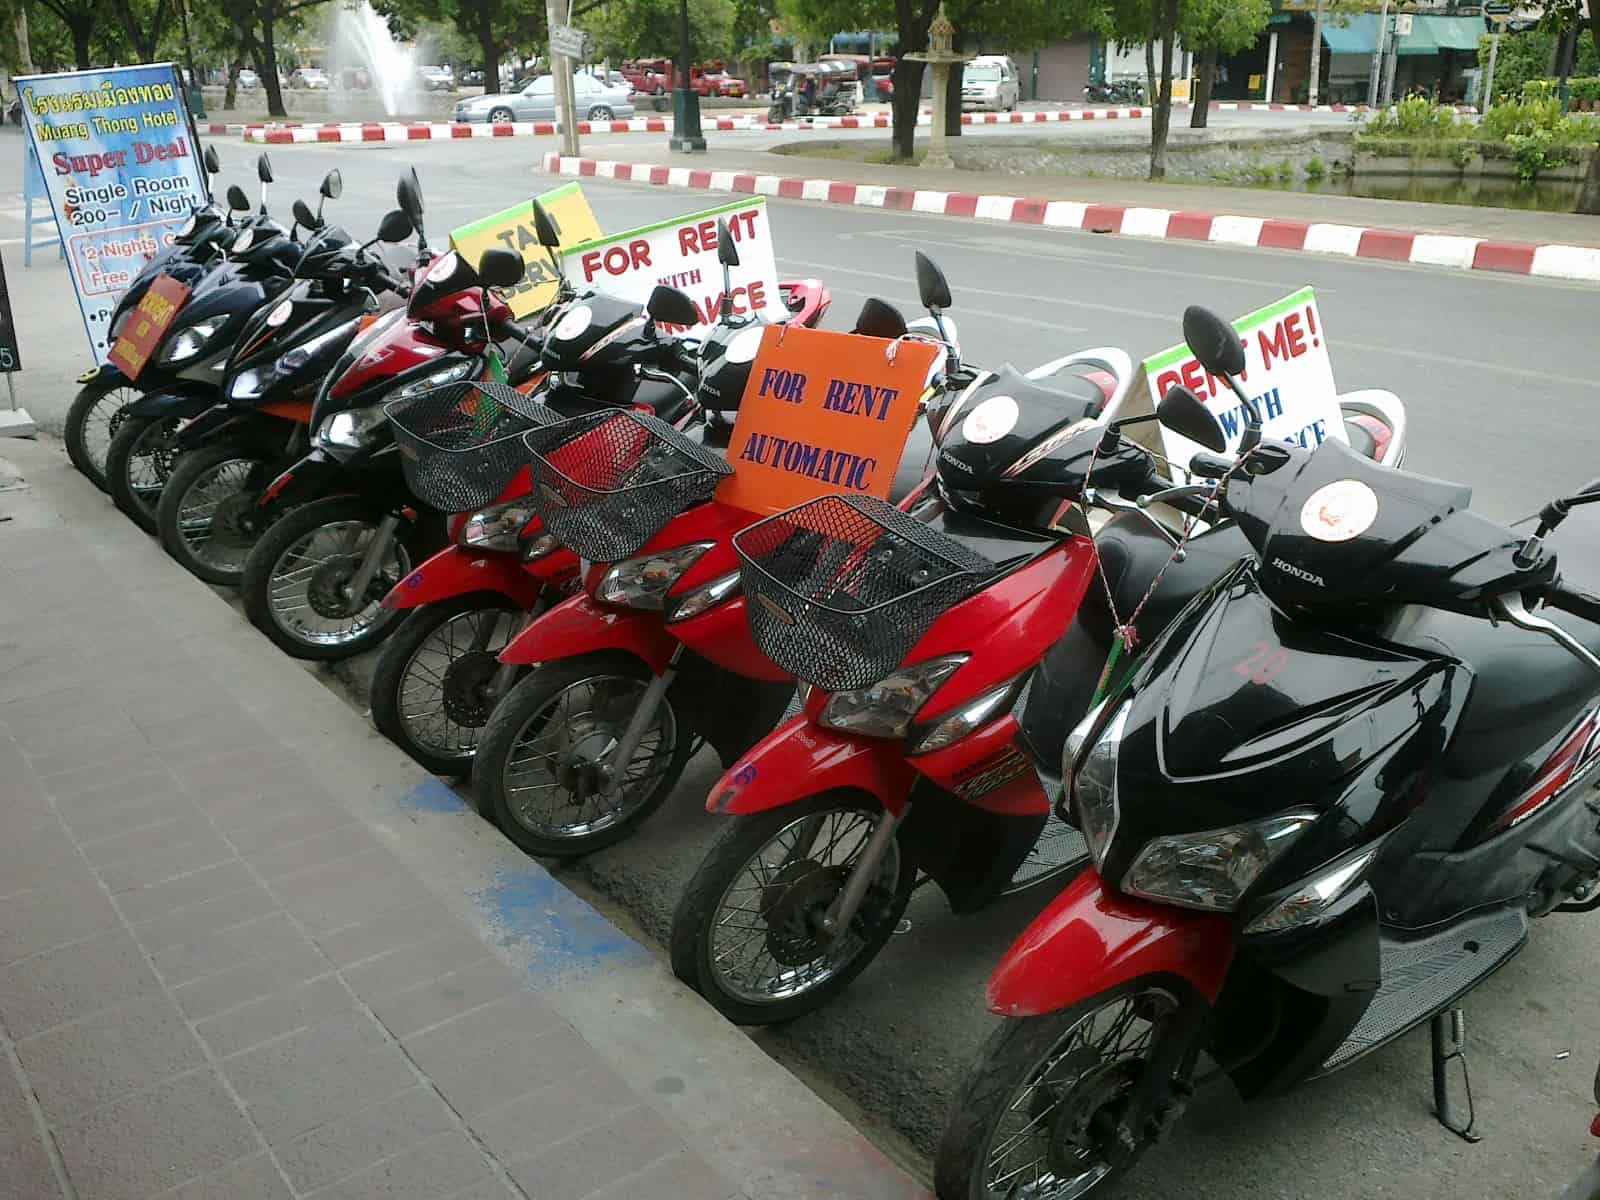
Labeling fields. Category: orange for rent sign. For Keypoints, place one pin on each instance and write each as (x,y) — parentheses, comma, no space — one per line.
(823,413)
(146,325)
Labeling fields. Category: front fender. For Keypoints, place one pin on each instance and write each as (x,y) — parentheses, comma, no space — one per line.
(455,572)
(181,404)
(1091,939)
(801,759)
(106,373)
(580,626)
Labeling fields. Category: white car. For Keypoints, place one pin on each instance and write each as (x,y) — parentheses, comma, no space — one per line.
(313,78)
(596,101)
(990,81)
(249,81)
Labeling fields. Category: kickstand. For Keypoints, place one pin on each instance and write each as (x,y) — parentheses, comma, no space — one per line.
(1449,1045)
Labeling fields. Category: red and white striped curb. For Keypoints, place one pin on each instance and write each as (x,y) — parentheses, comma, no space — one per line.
(1347,241)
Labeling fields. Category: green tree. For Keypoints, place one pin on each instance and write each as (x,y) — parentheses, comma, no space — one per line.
(143,21)
(1214,27)
(495,27)
(625,29)
(80,19)
(1557,16)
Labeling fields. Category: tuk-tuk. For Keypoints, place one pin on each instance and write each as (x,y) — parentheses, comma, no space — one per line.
(811,89)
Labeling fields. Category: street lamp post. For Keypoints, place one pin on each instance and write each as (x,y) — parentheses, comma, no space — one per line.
(686,136)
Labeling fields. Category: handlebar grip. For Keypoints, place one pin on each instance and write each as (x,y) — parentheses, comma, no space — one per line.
(1578,603)
(1211,466)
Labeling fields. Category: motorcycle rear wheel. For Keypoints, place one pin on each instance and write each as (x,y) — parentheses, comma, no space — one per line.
(754,898)
(92,421)
(139,462)
(1037,1108)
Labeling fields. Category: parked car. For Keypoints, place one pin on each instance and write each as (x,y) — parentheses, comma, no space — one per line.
(249,81)
(883,85)
(311,79)
(991,81)
(472,78)
(650,77)
(436,79)
(596,101)
(723,84)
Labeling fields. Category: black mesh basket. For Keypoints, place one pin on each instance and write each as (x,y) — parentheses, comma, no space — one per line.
(607,482)
(840,589)
(461,443)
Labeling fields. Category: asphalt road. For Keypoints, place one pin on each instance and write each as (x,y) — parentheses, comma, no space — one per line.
(1496,372)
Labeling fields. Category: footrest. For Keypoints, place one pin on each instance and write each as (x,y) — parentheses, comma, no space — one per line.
(1421,976)
(1059,846)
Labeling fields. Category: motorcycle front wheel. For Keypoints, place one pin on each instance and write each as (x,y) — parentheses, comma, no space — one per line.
(207,517)
(139,462)
(92,421)
(431,694)
(747,934)
(542,764)
(1037,1114)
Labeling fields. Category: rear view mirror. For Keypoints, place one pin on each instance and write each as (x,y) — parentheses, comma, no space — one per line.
(501,268)
(669,306)
(932,287)
(880,320)
(408,193)
(213,163)
(237,200)
(264,169)
(1213,341)
(544,226)
(1185,414)
(727,252)
(332,185)
(304,215)
(395,227)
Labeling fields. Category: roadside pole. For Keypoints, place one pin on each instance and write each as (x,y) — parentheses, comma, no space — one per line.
(1377,56)
(1314,84)
(561,74)
(1488,76)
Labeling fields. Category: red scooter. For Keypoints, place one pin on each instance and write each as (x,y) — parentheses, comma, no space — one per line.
(438,678)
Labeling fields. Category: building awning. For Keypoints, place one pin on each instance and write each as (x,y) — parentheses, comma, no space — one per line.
(1429,35)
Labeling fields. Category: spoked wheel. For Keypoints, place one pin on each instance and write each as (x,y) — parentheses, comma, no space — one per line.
(298,580)
(92,421)
(434,687)
(545,764)
(138,464)
(748,934)
(1038,1115)
(207,517)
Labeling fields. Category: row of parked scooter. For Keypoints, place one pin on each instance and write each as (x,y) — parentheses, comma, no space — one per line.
(1286,724)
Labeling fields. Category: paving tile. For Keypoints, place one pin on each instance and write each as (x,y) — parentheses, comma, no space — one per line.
(295,828)
(495,1055)
(417,1008)
(390,930)
(35,855)
(236,812)
(154,1140)
(100,1058)
(231,942)
(299,1007)
(552,1113)
(344,1147)
(92,759)
(25,1170)
(253,1178)
(439,1167)
(61,985)
(194,888)
(73,708)
(598,1157)
(351,890)
(57,736)
(106,846)
(64,911)
(212,719)
(493,1188)
(242,773)
(682,1176)
(293,1085)
(414,965)
(220,990)
(93,819)
(197,847)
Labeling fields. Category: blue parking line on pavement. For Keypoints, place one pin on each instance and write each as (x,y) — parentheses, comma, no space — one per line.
(565,934)
(433,795)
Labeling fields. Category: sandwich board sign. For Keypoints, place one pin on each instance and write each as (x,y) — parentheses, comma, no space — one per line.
(512,229)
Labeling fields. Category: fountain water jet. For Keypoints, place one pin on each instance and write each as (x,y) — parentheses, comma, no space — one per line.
(361,37)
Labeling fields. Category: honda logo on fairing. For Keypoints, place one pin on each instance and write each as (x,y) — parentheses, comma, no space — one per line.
(1299,573)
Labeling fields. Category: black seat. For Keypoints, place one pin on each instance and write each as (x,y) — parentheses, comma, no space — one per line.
(1132,553)
(523,359)
(1000,544)
(1526,688)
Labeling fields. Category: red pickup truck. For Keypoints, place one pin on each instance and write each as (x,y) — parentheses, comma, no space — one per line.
(654,77)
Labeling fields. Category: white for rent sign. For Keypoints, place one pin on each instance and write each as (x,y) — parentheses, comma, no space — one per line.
(1287,373)
(682,253)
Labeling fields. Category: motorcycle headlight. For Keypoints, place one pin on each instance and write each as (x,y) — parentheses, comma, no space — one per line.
(246,385)
(975,714)
(692,604)
(280,314)
(454,373)
(1213,870)
(644,582)
(497,527)
(349,430)
(186,343)
(1094,784)
(886,709)
(243,242)
(297,357)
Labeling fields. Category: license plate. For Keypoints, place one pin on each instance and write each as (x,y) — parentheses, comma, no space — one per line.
(148,324)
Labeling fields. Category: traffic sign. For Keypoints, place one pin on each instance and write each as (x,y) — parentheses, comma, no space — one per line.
(1402,25)
(1500,9)
(568,42)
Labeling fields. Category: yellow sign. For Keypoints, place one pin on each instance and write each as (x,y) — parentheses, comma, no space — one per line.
(1255,82)
(1180,91)
(513,229)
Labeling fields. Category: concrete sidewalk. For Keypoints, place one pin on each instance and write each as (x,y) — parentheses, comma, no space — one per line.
(247,950)
(1490,224)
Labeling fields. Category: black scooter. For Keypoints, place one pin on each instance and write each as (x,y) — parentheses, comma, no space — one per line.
(1324,807)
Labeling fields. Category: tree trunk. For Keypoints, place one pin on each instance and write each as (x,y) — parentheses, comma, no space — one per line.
(24,49)
(1167,23)
(82,31)
(1202,88)
(907,103)
(230,97)
(1150,52)
(489,47)
(267,68)
(1314,83)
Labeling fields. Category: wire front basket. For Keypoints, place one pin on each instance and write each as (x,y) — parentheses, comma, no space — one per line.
(607,482)
(839,590)
(461,443)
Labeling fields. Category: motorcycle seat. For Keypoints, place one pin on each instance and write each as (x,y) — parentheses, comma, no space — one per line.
(1526,689)
(1132,552)
(1000,544)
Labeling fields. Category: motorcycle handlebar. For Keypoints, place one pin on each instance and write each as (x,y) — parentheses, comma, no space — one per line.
(1571,600)
(1211,466)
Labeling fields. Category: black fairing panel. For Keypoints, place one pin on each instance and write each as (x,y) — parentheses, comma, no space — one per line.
(622,321)
(1239,713)
(981,459)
